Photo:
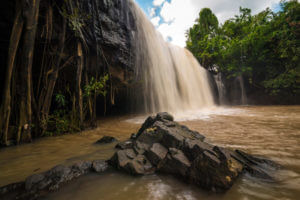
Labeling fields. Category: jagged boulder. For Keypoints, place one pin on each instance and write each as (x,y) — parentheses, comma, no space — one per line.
(214,173)
(131,162)
(156,153)
(175,163)
(193,148)
(163,145)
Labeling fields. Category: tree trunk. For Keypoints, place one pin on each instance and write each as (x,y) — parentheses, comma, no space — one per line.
(44,62)
(94,110)
(13,47)
(89,100)
(46,95)
(78,82)
(31,13)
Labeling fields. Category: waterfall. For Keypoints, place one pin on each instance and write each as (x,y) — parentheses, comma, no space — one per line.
(172,77)
(221,88)
(243,97)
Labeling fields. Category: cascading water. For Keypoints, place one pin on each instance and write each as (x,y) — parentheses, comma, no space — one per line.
(239,91)
(243,91)
(221,89)
(173,79)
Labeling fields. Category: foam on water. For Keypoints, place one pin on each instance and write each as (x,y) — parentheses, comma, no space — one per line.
(207,113)
(158,190)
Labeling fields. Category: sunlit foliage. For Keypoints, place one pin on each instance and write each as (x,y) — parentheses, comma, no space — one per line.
(264,48)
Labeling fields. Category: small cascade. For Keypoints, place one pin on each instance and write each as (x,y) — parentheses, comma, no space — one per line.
(221,89)
(173,79)
(242,91)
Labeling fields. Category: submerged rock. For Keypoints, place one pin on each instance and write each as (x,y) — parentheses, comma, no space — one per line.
(255,166)
(162,145)
(38,185)
(106,140)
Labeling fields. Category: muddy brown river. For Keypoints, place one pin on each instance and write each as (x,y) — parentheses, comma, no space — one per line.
(270,131)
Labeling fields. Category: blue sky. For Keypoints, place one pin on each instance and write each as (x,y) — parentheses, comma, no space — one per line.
(145,4)
(173,17)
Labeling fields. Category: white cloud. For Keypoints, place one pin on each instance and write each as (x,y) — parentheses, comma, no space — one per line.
(152,12)
(157,2)
(155,21)
(180,15)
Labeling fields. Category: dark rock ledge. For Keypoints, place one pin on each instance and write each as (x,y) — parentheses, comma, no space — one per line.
(38,185)
(160,146)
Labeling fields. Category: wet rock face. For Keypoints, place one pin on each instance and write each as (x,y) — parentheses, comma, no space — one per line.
(109,33)
(162,145)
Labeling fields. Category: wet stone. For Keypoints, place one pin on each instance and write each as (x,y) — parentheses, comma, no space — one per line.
(125,145)
(106,140)
(156,153)
(99,166)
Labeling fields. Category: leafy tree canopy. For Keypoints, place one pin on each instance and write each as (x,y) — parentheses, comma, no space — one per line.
(264,48)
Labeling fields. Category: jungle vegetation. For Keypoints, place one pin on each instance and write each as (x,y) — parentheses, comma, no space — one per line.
(51,84)
(263,48)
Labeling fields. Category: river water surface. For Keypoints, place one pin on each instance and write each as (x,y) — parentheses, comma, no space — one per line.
(270,131)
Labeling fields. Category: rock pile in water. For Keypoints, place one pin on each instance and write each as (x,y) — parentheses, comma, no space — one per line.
(162,145)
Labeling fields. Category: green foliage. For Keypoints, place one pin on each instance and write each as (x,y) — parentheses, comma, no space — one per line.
(62,120)
(96,87)
(59,122)
(264,48)
(208,22)
(76,18)
(60,99)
